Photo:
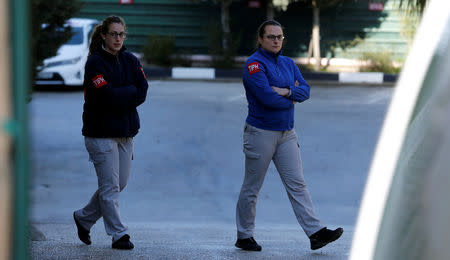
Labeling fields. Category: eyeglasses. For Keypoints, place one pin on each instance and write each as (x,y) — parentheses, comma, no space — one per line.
(122,35)
(275,37)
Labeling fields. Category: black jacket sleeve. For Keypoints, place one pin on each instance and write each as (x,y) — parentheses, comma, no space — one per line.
(140,83)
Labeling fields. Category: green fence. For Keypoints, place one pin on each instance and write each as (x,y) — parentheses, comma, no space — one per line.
(185,20)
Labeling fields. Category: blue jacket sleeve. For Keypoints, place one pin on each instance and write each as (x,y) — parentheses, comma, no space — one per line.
(255,81)
(106,96)
(141,84)
(301,92)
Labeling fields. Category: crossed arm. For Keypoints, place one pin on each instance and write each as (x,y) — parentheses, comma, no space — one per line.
(297,93)
(284,91)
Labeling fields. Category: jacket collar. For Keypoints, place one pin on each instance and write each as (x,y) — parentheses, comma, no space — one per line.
(108,55)
(270,55)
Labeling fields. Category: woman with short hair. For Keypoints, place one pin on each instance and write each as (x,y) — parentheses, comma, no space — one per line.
(273,85)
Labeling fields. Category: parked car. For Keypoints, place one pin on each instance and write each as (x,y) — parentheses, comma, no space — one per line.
(67,67)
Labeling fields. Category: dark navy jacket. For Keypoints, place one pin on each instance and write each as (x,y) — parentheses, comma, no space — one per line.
(267,109)
(114,86)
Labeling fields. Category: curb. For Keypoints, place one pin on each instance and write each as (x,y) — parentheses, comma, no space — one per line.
(204,73)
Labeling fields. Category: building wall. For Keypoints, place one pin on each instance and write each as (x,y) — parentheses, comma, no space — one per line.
(378,31)
(185,20)
(347,30)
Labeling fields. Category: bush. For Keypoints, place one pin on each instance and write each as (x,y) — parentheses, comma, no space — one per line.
(159,49)
(408,26)
(380,61)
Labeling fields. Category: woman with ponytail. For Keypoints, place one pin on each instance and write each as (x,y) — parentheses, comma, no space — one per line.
(114,85)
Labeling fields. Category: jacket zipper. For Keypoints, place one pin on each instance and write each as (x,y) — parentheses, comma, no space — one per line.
(118,68)
(276,67)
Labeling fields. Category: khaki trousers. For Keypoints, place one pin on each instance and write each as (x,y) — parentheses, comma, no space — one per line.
(260,148)
(112,161)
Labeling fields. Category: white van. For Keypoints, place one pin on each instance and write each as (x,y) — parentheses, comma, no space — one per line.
(67,67)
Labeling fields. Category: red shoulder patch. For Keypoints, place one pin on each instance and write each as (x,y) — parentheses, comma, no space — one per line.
(253,68)
(99,81)
(143,73)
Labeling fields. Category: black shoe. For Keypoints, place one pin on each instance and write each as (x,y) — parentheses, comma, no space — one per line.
(83,234)
(324,236)
(123,243)
(248,244)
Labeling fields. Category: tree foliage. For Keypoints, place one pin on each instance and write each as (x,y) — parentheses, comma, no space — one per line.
(224,18)
(282,4)
(415,4)
(45,40)
(316,5)
(223,52)
(323,3)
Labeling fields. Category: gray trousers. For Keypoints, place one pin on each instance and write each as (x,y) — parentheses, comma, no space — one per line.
(260,148)
(112,161)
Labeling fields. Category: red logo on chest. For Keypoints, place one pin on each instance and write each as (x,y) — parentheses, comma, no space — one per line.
(99,81)
(253,68)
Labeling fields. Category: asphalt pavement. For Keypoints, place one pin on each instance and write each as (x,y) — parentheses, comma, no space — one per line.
(187,171)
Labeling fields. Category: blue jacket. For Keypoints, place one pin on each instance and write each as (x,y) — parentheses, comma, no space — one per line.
(114,86)
(267,109)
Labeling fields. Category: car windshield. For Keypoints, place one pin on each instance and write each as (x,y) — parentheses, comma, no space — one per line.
(77,37)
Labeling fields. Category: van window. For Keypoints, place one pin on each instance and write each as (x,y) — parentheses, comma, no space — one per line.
(77,37)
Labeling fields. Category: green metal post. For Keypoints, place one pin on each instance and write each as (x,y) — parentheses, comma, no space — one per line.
(20,84)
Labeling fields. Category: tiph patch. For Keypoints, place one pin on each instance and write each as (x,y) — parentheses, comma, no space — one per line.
(99,81)
(253,68)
